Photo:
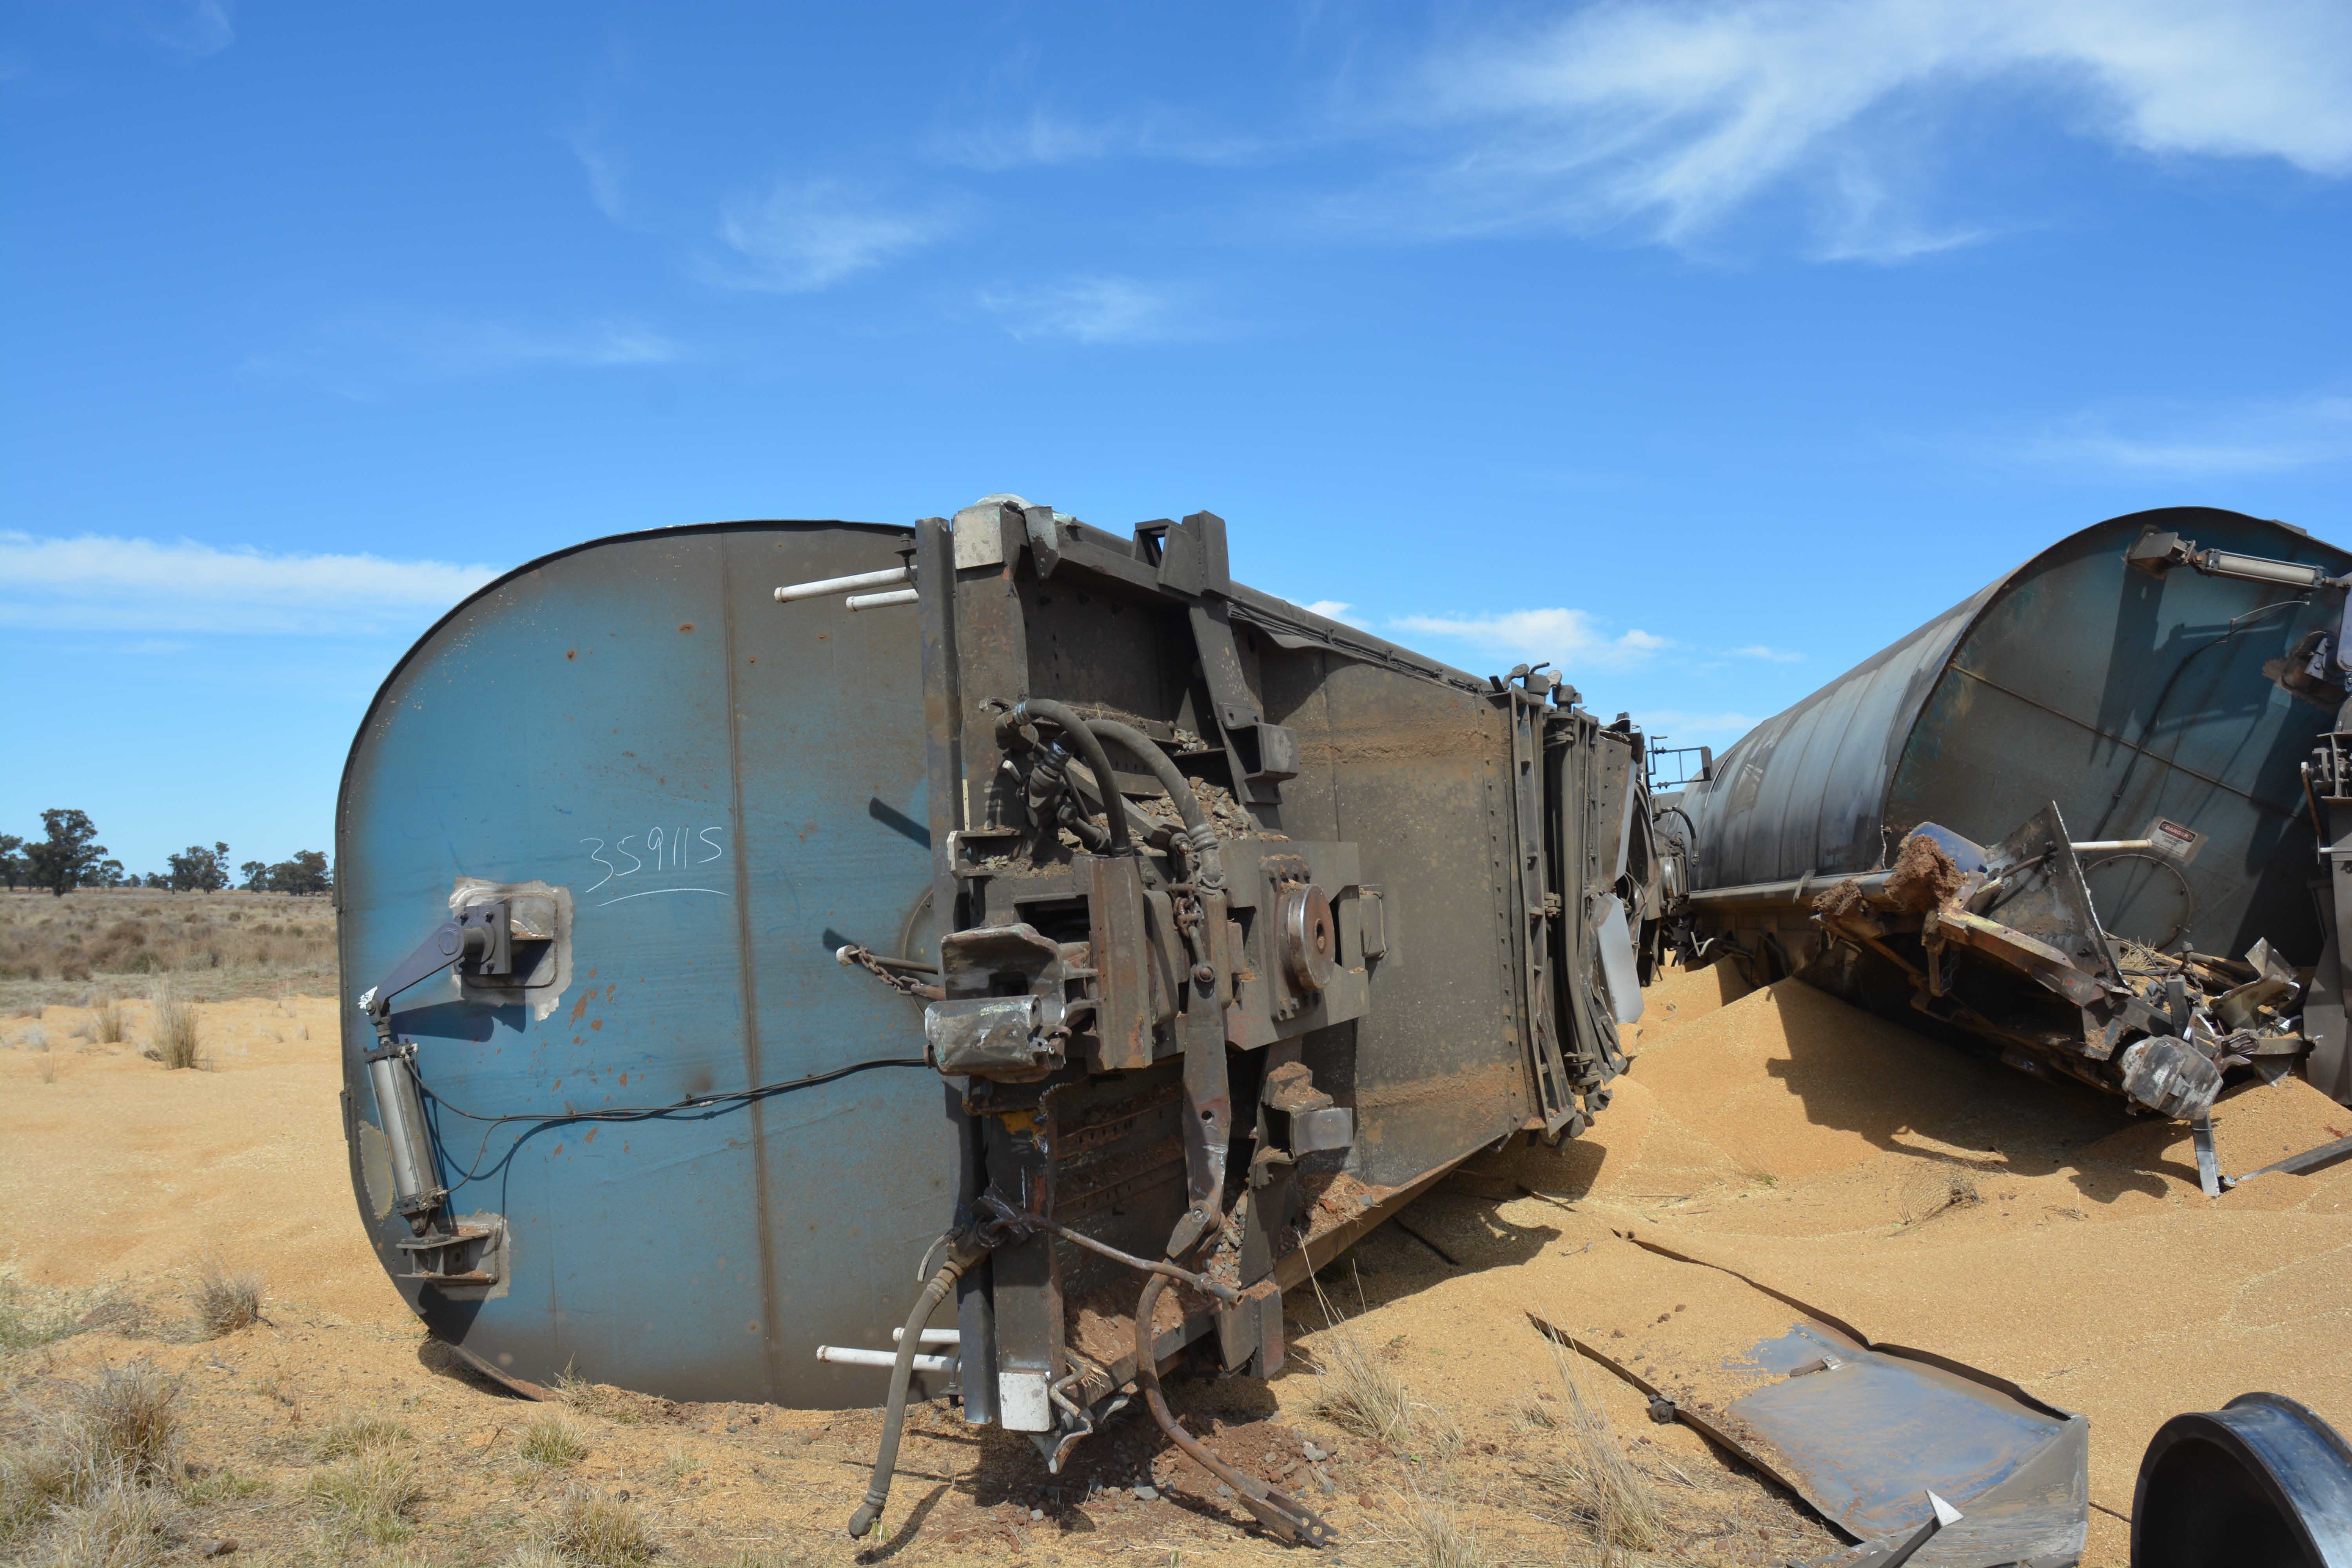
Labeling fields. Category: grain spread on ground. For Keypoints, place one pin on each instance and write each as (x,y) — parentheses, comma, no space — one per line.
(1779,1134)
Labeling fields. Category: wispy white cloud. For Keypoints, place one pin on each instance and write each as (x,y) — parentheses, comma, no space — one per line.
(1671,115)
(1330,609)
(1093,310)
(194,28)
(96,582)
(1570,639)
(360,353)
(607,172)
(1771,655)
(803,236)
(2174,438)
(1042,137)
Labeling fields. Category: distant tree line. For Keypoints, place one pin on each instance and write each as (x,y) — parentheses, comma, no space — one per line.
(68,856)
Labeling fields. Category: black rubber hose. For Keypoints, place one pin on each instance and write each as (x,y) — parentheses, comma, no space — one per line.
(1147,751)
(1091,752)
(963,1251)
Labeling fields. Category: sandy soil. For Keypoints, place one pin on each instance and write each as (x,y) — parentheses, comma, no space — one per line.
(1780,1135)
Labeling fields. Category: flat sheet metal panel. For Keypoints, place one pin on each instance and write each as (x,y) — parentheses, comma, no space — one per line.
(719,784)
(1416,774)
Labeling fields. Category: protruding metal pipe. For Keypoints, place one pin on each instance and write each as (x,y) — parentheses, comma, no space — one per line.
(850,1356)
(849,584)
(2258,568)
(932,1336)
(2111,846)
(876,600)
(1762,895)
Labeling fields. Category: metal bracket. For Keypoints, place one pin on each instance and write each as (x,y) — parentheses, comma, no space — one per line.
(1262,755)
(2208,1164)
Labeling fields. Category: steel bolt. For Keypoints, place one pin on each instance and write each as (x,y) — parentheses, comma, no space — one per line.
(1203,974)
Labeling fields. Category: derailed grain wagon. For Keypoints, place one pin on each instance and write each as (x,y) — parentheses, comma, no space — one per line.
(2074,818)
(772,931)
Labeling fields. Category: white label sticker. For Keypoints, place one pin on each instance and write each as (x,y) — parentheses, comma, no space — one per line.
(2177,839)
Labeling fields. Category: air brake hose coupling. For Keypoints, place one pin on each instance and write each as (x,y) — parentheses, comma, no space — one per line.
(1089,749)
(965,1247)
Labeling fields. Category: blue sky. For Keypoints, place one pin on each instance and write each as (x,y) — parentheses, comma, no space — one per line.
(1702,348)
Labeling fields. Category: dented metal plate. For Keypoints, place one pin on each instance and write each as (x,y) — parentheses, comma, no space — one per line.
(1864,1434)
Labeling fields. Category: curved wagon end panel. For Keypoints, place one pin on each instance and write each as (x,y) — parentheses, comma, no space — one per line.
(678,802)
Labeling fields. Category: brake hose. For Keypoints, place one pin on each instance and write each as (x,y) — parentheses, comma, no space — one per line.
(964,1250)
(1198,830)
(1273,1507)
(1090,752)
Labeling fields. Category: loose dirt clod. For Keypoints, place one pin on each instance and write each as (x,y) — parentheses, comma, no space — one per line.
(1925,878)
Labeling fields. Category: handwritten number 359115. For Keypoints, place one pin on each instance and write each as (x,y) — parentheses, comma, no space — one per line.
(663,850)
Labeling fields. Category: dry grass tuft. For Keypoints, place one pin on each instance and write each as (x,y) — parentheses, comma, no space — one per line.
(357,1435)
(593,1531)
(226,1301)
(31,1317)
(371,1495)
(31,1483)
(549,1440)
(1355,1390)
(215,1486)
(118,1434)
(119,1525)
(1591,1470)
(126,1426)
(106,1022)
(1441,1538)
(175,1030)
(1358,1392)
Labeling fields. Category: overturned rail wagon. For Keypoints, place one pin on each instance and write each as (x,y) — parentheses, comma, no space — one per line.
(2076,817)
(772,931)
